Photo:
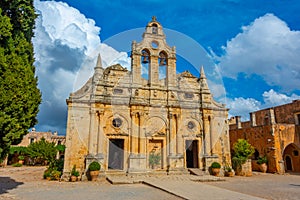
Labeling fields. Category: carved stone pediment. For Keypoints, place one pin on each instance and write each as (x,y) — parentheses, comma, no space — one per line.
(116,67)
(187,74)
(155,134)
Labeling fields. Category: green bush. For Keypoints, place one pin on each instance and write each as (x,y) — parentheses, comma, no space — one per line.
(47,173)
(21,157)
(154,159)
(55,175)
(215,165)
(94,166)
(52,174)
(42,151)
(18,150)
(17,165)
(74,172)
(242,151)
(262,160)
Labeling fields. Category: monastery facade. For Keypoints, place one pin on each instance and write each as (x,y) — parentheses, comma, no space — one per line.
(133,123)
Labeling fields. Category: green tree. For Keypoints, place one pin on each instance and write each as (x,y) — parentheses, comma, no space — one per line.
(19,95)
(22,15)
(242,151)
(42,151)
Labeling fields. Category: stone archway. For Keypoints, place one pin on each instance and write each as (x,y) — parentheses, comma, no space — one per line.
(291,155)
(288,163)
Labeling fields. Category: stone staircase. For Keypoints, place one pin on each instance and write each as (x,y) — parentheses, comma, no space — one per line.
(197,172)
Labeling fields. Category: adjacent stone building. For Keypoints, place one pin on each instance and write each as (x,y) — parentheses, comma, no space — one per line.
(135,123)
(35,136)
(275,133)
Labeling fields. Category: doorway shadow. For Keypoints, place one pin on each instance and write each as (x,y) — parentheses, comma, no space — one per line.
(6,183)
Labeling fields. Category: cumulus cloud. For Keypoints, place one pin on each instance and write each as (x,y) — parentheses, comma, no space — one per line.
(243,106)
(273,98)
(65,45)
(266,47)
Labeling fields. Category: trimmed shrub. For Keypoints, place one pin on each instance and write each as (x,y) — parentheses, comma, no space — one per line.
(215,165)
(94,166)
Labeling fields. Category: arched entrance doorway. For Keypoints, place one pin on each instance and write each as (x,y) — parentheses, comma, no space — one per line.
(288,163)
(291,155)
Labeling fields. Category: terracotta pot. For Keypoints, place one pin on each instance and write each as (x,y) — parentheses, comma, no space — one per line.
(229,174)
(21,162)
(94,175)
(215,171)
(263,167)
(73,178)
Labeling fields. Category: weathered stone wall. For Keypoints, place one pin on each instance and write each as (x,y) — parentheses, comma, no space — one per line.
(271,135)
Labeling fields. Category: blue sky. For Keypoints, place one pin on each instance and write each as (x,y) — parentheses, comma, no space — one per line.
(249,48)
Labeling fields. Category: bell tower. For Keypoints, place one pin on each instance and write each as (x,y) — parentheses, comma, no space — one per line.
(153,59)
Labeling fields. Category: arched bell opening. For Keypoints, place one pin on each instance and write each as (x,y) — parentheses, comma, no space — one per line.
(154,28)
(145,62)
(162,63)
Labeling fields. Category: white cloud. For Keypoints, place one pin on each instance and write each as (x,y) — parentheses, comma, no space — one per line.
(266,47)
(243,106)
(66,44)
(272,98)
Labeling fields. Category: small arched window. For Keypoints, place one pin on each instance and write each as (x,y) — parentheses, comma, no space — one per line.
(154,29)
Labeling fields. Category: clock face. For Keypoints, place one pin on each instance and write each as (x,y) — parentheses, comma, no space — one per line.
(154,44)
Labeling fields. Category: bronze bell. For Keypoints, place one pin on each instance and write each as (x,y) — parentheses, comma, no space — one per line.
(162,62)
(145,60)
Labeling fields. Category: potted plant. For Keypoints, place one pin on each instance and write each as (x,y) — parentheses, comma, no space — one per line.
(94,169)
(262,162)
(215,168)
(228,171)
(154,159)
(21,159)
(74,174)
(242,151)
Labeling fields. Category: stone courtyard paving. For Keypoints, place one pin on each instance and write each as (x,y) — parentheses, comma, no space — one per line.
(26,183)
(268,186)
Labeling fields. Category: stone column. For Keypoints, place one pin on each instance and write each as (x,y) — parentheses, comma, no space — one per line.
(206,132)
(171,135)
(100,133)
(92,132)
(142,141)
(134,134)
(153,71)
(178,138)
(212,135)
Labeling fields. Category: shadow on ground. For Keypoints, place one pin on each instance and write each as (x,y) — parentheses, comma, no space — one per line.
(6,183)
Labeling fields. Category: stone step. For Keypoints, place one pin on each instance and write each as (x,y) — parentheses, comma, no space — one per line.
(197,172)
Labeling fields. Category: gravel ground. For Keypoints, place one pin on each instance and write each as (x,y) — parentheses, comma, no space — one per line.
(268,186)
(26,183)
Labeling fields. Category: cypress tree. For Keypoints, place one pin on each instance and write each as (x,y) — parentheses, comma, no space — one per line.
(19,95)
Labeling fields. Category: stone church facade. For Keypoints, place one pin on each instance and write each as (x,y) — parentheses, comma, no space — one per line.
(135,123)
